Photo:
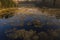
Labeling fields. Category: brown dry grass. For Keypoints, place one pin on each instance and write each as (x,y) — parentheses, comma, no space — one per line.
(50,11)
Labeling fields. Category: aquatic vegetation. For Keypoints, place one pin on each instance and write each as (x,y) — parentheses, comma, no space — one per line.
(37,23)
(30,24)
(32,35)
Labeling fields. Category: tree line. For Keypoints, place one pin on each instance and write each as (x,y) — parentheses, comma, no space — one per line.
(51,3)
(7,3)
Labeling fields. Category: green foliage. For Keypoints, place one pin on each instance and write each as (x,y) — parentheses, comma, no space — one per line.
(7,3)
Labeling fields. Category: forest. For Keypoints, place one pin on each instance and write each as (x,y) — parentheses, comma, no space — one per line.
(6,3)
(39,3)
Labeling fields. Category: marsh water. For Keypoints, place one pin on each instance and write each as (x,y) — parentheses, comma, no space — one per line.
(47,22)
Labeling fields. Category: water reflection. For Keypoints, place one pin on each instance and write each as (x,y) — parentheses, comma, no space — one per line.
(23,26)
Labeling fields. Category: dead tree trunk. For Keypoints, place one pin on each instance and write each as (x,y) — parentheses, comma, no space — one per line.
(54,1)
